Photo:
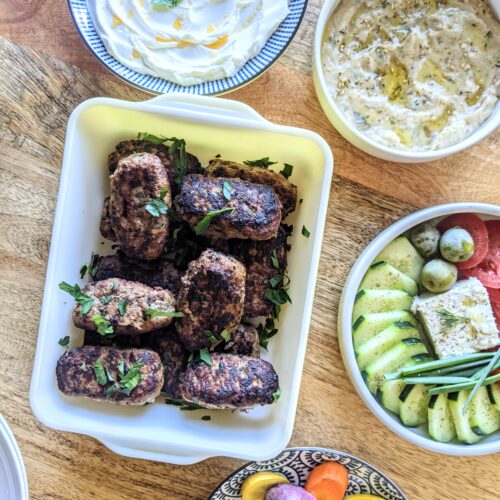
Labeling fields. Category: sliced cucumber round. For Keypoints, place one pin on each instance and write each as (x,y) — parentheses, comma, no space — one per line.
(382,276)
(456,401)
(441,424)
(413,402)
(484,418)
(377,301)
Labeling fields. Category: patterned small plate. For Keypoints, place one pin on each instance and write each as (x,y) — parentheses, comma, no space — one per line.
(273,49)
(297,463)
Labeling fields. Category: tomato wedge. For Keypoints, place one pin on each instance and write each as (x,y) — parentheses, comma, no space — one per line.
(493,227)
(488,272)
(494,294)
(476,227)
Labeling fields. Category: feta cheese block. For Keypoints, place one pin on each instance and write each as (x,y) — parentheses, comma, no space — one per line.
(459,321)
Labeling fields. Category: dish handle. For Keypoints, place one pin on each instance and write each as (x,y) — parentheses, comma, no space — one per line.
(205,105)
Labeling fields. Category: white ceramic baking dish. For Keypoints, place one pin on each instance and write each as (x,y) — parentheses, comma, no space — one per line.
(210,126)
(418,435)
(360,140)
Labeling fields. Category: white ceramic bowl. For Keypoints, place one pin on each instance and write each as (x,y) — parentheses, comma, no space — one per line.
(417,435)
(353,135)
(162,432)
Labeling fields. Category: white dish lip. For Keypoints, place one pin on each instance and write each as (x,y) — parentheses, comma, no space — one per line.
(345,326)
(209,110)
(365,143)
(18,481)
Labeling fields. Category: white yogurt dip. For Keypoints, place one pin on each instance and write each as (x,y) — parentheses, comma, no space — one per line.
(190,43)
(415,75)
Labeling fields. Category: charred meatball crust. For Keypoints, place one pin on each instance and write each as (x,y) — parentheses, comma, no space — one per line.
(230,382)
(257,257)
(169,160)
(155,273)
(108,293)
(119,341)
(257,209)
(76,376)
(105,227)
(285,190)
(139,179)
(211,297)
(244,341)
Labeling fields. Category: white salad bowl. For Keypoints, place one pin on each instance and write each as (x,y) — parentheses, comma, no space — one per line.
(210,126)
(355,136)
(418,435)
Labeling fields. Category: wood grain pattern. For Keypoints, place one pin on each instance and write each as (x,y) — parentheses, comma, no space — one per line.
(37,94)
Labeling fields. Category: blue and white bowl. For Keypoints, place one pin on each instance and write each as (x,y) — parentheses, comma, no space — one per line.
(297,463)
(255,67)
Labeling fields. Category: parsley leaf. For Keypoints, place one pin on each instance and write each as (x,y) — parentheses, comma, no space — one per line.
(227,189)
(131,379)
(107,299)
(203,224)
(287,170)
(275,281)
(121,367)
(263,162)
(64,341)
(99,372)
(449,319)
(205,356)
(154,313)
(305,232)
(145,136)
(266,331)
(274,260)
(276,395)
(102,324)
(157,206)
(83,270)
(181,163)
(75,291)
(90,267)
(122,307)
(213,339)
(225,335)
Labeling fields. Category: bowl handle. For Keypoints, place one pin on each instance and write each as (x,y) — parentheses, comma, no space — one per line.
(205,105)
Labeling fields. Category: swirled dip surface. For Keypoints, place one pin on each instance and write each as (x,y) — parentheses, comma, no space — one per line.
(414,75)
(190,43)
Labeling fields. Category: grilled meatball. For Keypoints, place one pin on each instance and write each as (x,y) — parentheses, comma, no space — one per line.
(232,381)
(244,340)
(211,297)
(108,294)
(258,259)
(156,273)
(286,191)
(105,226)
(79,375)
(120,341)
(169,160)
(138,180)
(256,215)
(174,358)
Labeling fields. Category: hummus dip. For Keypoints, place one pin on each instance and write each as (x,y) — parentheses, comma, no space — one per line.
(186,41)
(415,75)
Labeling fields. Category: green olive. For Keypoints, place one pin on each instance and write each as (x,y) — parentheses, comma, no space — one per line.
(425,239)
(439,275)
(456,245)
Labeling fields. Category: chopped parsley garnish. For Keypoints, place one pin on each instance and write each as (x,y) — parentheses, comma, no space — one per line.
(145,136)
(227,189)
(449,319)
(99,372)
(181,163)
(225,335)
(266,331)
(263,162)
(213,339)
(122,307)
(305,232)
(75,291)
(157,206)
(131,379)
(102,324)
(204,223)
(287,170)
(205,356)
(274,260)
(275,281)
(121,367)
(107,299)
(154,313)
(90,267)
(276,395)
(206,418)
(165,4)
(278,296)
(64,341)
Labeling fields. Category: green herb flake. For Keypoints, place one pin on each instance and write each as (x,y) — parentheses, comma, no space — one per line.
(276,395)
(145,136)
(204,223)
(107,299)
(121,368)
(227,189)
(154,313)
(449,319)
(64,341)
(210,336)
(266,331)
(225,335)
(274,260)
(156,207)
(287,170)
(102,325)
(82,299)
(100,373)
(83,270)
(262,162)
(111,390)
(275,281)
(122,307)
(205,356)
(206,418)
(131,379)
(305,232)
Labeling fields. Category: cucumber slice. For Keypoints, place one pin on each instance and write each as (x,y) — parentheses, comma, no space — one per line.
(441,424)
(376,301)
(402,255)
(494,395)
(391,360)
(383,276)
(413,402)
(369,325)
(456,401)
(484,418)
(376,346)
(388,394)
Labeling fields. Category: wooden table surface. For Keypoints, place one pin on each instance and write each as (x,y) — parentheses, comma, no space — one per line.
(45,71)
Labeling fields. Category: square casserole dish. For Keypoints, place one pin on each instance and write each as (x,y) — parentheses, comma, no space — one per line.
(210,126)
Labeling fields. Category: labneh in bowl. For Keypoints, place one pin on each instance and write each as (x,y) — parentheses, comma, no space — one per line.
(341,123)
(416,435)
